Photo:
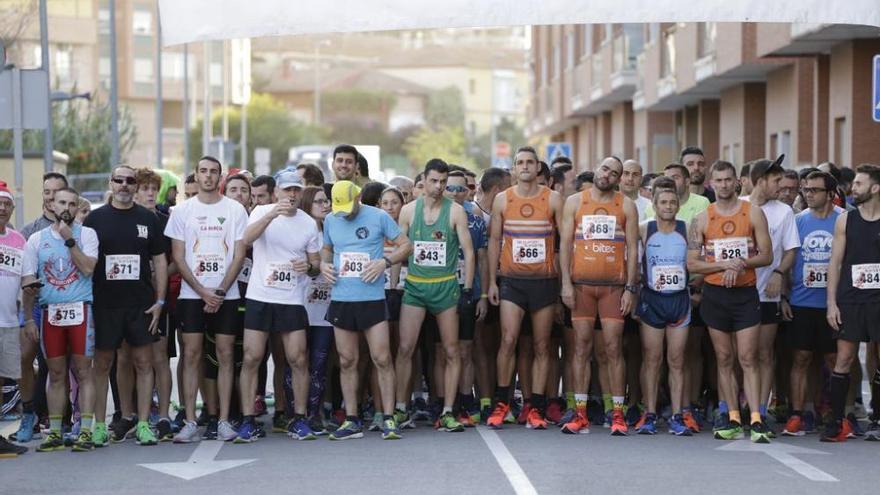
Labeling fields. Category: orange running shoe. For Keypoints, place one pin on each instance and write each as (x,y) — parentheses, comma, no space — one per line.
(536,420)
(579,425)
(794,427)
(640,422)
(496,419)
(618,423)
(690,422)
(840,435)
(523,417)
(465,419)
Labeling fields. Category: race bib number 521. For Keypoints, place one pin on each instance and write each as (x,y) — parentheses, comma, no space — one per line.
(10,259)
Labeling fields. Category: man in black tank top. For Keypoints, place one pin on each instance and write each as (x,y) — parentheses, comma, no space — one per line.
(854,296)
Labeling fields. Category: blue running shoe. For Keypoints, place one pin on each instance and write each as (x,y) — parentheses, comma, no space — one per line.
(247,432)
(299,429)
(699,415)
(809,422)
(71,435)
(568,416)
(348,430)
(648,426)
(633,414)
(25,431)
(390,431)
(721,422)
(677,426)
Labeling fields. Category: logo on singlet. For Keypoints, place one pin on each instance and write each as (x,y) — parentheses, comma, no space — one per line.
(817,246)
(728,227)
(142,231)
(362,232)
(526,210)
(600,211)
(437,235)
(220,220)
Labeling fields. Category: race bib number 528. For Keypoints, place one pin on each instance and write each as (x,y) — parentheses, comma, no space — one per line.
(730,248)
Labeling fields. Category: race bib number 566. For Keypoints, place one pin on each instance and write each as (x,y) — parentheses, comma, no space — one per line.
(528,251)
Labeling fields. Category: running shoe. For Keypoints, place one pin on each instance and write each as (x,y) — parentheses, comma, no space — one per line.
(836,432)
(259,431)
(722,421)
(179,419)
(246,432)
(9,450)
(855,427)
(10,416)
(690,421)
(259,406)
(536,420)
(618,424)
(579,424)
(567,417)
(794,427)
(647,424)
(677,426)
(523,416)
(100,436)
(420,411)
(348,430)
(336,419)
(188,433)
(204,418)
(404,420)
(448,423)
(553,414)
(465,419)
(809,422)
(122,428)
(496,419)
(70,435)
(25,431)
(83,442)
(733,431)
(390,431)
(872,434)
(859,411)
(164,431)
(52,443)
(606,422)
(699,416)
(474,415)
(299,429)
(633,414)
(485,412)
(144,434)
(759,432)
(279,422)
(211,429)
(317,425)
(376,425)
(225,431)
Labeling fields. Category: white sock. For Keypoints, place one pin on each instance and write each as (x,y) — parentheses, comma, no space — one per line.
(617,400)
(400,406)
(446,410)
(581,397)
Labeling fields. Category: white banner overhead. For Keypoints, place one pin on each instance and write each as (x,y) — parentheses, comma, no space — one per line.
(201,20)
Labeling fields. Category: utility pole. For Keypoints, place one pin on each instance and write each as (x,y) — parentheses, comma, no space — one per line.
(158,89)
(114,93)
(48,144)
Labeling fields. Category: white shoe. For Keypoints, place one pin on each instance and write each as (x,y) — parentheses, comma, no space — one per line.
(188,434)
(226,432)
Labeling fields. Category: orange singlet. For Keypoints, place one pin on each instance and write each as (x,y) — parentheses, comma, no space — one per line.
(599,256)
(528,234)
(730,237)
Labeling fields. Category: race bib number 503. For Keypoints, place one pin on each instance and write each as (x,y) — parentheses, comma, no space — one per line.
(352,264)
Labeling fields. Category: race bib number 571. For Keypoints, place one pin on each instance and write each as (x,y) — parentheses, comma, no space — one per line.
(122,266)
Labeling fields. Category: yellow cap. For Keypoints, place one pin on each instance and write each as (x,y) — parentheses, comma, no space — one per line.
(344,194)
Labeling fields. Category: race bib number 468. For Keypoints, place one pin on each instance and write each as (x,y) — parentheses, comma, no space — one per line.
(528,251)
(866,276)
(352,264)
(598,226)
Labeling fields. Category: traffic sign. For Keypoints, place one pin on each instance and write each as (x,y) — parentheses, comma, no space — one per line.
(875,102)
(501,162)
(555,150)
(502,149)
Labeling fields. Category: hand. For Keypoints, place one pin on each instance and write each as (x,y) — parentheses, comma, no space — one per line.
(494,297)
(210,309)
(729,277)
(774,285)
(696,297)
(735,264)
(210,298)
(31,291)
(558,313)
(30,332)
(833,317)
(156,312)
(329,272)
(300,265)
(787,314)
(373,271)
(567,295)
(627,301)
(283,207)
(482,308)
(64,230)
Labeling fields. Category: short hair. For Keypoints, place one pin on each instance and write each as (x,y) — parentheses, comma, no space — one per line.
(345,148)
(805,173)
(545,171)
(722,166)
(457,173)
(583,178)
(146,176)
(68,189)
(400,180)
(470,173)
(832,169)
(872,171)
(690,150)
(745,171)
(561,160)
(456,168)
(828,179)
(372,193)
(663,183)
(240,177)
(526,149)
(363,165)
(419,178)
(311,173)
(648,178)
(437,165)
(847,175)
(264,180)
(493,177)
(392,189)
(55,175)
(557,175)
(211,159)
(190,179)
(677,166)
(790,174)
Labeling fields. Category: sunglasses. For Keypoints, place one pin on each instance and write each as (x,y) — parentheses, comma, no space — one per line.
(456,189)
(813,190)
(124,180)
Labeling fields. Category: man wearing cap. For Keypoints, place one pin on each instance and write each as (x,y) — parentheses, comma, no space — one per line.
(351,260)
(282,266)
(765,176)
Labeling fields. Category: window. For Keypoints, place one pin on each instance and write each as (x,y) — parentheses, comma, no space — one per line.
(706,38)
(143,70)
(216,73)
(784,147)
(569,50)
(774,145)
(63,63)
(142,22)
(588,40)
(545,72)
(667,54)
(103,21)
(653,32)
(557,66)
(38,56)
(608,33)
(172,65)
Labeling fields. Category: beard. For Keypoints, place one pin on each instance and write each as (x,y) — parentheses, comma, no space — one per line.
(858,199)
(603,185)
(67,217)
(698,178)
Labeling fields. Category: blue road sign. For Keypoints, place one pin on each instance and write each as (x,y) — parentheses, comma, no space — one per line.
(875,102)
(501,162)
(554,150)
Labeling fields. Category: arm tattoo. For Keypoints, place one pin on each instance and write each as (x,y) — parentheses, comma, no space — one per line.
(695,235)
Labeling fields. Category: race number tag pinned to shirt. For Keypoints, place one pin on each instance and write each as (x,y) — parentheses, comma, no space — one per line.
(528,251)
(122,267)
(352,264)
(730,248)
(10,259)
(210,265)
(459,271)
(866,276)
(66,314)
(401,280)
(245,274)
(280,275)
(429,253)
(598,226)
(319,293)
(668,277)
(816,275)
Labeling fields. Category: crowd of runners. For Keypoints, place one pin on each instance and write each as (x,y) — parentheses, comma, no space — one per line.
(701,299)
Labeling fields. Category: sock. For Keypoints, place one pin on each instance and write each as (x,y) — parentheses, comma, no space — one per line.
(440,400)
(687,408)
(386,417)
(839,389)
(400,406)
(755,418)
(485,402)
(55,424)
(570,400)
(27,406)
(85,422)
(617,401)
(722,407)
(353,419)
(762,410)
(465,402)
(539,401)
(580,401)
(607,402)
(734,416)
(502,393)
(446,410)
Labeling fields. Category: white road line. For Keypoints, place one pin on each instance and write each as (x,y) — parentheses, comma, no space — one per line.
(515,475)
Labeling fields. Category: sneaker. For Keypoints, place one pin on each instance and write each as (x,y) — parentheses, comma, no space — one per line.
(648,425)
(536,420)
(633,415)
(70,435)
(317,425)
(188,433)
(465,419)
(204,418)
(768,426)
(523,416)
(259,406)
(83,442)
(809,422)
(699,416)
(579,424)
(568,416)
(164,432)
(606,421)
(855,427)
(25,431)
(9,450)
(499,413)
(100,435)
(794,427)
(420,411)
(259,431)
(177,422)
(390,431)
(553,413)
(759,433)
(10,416)
(485,412)
(145,435)
(299,429)
(279,423)
(376,425)
(872,433)
(122,428)
(678,427)
(836,431)
(52,443)
(246,432)
(690,421)
(474,415)
(859,411)
(733,431)
(211,429)
(348,430)
(404,420)
(618,424)
(336,419)
(225,431)
(448,423)
(722,421)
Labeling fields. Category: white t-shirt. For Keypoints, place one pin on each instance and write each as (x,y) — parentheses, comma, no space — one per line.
(209,232)
(783,235)
(642,204)
(11,259)
(286,239)
(318,297)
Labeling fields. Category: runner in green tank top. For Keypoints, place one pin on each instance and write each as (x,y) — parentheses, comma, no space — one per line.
(438,227)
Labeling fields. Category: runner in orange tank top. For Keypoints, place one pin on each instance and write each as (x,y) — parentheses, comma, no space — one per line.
(726,243)
(598,256)
(522,230)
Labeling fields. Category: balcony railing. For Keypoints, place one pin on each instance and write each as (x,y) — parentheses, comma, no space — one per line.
(623,57)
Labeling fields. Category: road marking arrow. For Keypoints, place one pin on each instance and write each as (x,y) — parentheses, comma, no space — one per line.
(784,454)
(200,463)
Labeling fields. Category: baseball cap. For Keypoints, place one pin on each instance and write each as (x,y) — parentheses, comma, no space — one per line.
(344,194)
(5,192)
(289,179)
(760,168)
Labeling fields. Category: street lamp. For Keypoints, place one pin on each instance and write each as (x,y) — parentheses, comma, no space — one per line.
(63,96)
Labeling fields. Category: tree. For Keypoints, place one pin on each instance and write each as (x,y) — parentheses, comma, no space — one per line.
(445,108)
(507,131)
(445,142)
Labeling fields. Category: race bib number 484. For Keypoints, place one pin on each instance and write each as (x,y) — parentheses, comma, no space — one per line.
(122,266)
(66,315)
(730,248)
(526,251)
(352,264)
(866,276)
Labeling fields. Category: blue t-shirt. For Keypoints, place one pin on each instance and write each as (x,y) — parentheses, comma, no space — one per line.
(809,275)
(356,243)
(480,240)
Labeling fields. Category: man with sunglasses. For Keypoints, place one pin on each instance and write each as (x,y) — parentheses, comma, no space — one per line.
(127,306)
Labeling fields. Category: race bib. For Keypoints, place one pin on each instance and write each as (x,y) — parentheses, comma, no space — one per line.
(280,275)
(319,293)
(459,271)
(866,276)
(598,226)
(668,277)
(401,281)
(10,259)
(429,253)
(528,251)
(122,267)
(816,275)
(730,248)
(210,265)
(352,264)
(66,315)
(245,274)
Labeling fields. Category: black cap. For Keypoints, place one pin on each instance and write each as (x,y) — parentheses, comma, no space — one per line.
(760,168)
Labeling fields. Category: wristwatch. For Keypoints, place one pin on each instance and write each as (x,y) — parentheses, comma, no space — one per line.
(630,288)
(220,292)
(70,242)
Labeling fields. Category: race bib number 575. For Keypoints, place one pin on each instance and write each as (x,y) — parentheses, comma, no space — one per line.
(66,315)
